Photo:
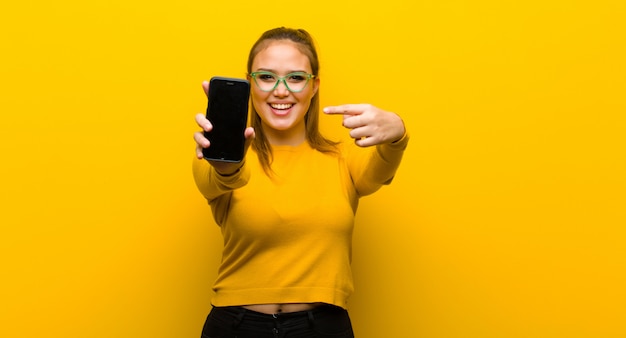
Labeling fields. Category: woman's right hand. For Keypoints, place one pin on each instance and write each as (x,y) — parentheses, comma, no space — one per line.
(223,168)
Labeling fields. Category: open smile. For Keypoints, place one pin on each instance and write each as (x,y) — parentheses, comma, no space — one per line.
(281,106)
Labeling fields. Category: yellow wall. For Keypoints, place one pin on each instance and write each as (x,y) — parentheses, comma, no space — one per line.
(506,219)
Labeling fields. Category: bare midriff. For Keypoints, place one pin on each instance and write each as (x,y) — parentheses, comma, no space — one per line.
(271,309)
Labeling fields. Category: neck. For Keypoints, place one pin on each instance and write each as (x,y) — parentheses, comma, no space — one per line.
(291,137)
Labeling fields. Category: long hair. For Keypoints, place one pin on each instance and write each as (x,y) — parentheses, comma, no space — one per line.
(305,44)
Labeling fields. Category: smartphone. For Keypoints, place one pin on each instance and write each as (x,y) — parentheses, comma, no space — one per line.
(227,110)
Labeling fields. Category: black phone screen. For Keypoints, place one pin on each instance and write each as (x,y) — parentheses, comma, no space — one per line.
(227,111)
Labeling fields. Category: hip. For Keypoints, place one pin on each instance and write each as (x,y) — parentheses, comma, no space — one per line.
(236,321)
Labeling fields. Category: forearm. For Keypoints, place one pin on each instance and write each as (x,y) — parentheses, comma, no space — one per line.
(379,167)
(211,184)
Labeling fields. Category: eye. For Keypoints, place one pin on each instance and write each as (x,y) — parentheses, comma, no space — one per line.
(266,77)
(297,77)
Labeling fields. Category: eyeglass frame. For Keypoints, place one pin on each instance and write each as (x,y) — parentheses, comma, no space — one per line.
(279,79)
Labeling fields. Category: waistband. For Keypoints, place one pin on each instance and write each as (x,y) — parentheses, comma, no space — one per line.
(241,311)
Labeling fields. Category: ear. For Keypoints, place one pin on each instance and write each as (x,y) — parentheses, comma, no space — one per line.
(316,84)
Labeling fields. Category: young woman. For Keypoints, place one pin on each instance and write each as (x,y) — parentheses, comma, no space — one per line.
(287,211)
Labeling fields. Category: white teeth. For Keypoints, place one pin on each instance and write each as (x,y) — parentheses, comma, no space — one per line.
(281,105)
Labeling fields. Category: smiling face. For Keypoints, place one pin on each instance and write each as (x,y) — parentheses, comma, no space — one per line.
(282,112)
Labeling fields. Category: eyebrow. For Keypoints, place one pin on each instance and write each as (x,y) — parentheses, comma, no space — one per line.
(274,71)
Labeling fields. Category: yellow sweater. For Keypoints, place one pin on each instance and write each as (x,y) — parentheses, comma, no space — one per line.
(288,238)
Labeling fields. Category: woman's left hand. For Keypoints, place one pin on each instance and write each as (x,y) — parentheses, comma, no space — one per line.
(369,125)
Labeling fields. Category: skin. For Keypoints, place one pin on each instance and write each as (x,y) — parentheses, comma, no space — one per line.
(283,126)
(367,124)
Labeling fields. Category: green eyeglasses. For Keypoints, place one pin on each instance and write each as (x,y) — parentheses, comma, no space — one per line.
(268,81)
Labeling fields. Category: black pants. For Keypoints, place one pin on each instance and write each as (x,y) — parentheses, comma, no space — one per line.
(236,322)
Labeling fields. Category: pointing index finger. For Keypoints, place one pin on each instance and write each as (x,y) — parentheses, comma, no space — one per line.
(346,109)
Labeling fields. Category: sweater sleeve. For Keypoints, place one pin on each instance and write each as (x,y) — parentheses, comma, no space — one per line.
(213,185)
(371,168)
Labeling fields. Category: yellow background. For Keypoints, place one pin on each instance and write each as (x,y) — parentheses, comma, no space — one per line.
(506,219)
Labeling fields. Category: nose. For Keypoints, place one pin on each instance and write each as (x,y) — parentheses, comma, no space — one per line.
(281,89)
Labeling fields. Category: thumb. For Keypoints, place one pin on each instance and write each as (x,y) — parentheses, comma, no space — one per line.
(249,134)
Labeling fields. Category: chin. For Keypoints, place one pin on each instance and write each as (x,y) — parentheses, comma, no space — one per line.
(281,125)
